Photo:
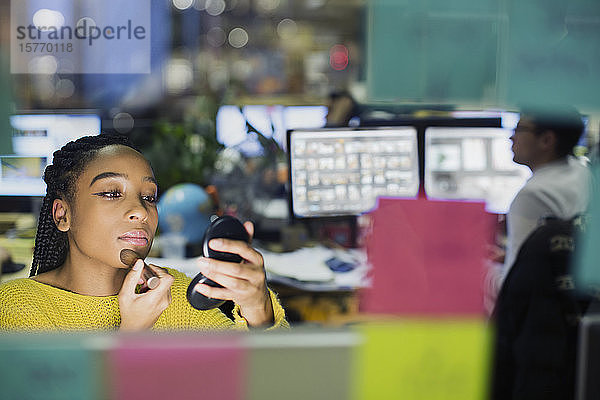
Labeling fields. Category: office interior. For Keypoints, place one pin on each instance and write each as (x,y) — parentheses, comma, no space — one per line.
(305,117)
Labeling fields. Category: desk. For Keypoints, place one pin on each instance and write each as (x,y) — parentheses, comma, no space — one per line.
(21,251)
(311,291)
(329,307)
(308,289)
(17,231)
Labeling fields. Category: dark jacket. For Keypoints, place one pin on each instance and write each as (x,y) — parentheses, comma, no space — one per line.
(536,319)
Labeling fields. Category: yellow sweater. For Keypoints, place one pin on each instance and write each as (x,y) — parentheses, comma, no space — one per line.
(26,304)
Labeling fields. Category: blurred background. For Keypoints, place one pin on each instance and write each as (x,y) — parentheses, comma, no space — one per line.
(240,106)
(225,80)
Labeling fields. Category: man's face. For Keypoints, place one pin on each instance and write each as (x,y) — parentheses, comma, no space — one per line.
(527,146)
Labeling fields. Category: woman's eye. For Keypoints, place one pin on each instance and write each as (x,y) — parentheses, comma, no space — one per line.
(150,199)
(113,194)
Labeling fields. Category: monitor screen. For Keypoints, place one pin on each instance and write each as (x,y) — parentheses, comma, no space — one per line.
(472,164)
(272,121)
(231,122)
(35,137)
(336,172)
(305,117)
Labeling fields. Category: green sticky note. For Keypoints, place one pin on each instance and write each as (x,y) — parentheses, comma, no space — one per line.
(48,367)
(423,359)
(477,52)
(585,269)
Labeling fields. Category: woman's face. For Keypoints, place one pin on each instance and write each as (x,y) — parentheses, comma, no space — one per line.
(114,207)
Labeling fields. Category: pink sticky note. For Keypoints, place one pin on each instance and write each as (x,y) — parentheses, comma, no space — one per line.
(427,257)
(172,367)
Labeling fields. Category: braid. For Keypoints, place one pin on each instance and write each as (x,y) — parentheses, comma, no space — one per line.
(51,245)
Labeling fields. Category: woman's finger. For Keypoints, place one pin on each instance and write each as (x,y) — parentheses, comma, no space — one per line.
(243,249)
(214,292)
(132,278)
(250,229)
(232,283)
(159,271)
(160,278)
(238,270)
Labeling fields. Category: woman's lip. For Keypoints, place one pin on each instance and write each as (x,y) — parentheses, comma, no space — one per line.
(134,234)
(135,241)
(136,237)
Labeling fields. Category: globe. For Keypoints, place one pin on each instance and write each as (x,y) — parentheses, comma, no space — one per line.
(185,209)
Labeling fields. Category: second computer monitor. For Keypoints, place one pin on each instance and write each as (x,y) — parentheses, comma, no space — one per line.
(472,164)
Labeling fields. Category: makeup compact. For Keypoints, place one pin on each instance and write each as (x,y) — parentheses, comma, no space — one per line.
(225,227)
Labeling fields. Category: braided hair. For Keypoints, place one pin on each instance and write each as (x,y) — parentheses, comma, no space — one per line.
(51,245)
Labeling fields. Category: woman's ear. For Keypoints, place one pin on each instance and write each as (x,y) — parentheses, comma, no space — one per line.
(61,215)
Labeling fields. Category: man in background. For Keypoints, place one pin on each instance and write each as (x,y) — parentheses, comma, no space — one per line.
(559,187)
(537,310)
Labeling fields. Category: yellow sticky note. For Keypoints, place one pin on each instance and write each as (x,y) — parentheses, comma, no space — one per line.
(423,359)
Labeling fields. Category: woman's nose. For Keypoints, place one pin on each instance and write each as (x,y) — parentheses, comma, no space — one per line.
(137,212)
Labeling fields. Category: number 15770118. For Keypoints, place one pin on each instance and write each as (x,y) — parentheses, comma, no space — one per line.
(45,47)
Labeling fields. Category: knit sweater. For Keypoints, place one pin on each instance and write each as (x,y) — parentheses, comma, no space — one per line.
(26,304)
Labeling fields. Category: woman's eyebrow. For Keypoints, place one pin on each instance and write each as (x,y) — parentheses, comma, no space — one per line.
(105,175)
(150,179)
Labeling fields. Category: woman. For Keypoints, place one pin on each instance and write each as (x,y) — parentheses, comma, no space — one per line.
(101,198)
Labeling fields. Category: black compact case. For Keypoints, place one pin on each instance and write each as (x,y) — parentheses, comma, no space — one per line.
(225,227)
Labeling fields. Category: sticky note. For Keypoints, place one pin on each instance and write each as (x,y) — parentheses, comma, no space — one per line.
(301,364)
(177,367)
(423,359)
(427,257)
(587,252)
(49,367)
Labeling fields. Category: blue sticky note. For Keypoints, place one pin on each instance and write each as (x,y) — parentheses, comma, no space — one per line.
(48,367)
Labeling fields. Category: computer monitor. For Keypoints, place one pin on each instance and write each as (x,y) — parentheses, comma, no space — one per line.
(304,117)
(272,121)
(35,137)
(341,172)
(508,119)
(472,164)
(231,122)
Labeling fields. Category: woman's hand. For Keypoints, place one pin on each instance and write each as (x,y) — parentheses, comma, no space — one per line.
(244,282)
(139,311)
